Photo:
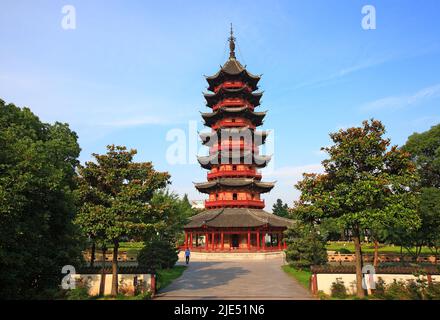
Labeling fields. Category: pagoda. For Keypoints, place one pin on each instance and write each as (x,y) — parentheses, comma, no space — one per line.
(234,218)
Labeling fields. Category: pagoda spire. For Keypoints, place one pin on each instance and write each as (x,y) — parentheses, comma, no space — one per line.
(232,45)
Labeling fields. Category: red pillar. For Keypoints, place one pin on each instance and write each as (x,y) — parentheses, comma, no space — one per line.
(223,241)
(258,240)
(186,239)
(249,240)
(206,240)
(213,240)
(263,240)
(191,240)
(279,240)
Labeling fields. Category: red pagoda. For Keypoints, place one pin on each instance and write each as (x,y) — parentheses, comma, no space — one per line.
(234,219)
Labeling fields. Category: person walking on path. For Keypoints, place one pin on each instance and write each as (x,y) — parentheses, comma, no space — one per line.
(187,255)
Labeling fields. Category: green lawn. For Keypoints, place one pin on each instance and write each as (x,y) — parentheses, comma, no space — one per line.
(166,276)
(303,276)
(369,248)
(132,248)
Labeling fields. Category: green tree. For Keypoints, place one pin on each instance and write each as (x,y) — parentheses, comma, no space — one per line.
(157,254)
(280,209)
(174,211)
(365,185)
(306,247)
(116,194)
(37,169)
(425,152)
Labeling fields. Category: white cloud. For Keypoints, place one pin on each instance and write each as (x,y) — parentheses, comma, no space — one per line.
(396,102)
(342,73)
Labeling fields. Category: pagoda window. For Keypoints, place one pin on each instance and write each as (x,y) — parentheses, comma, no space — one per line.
(234,168)
(234,196)
(233,120)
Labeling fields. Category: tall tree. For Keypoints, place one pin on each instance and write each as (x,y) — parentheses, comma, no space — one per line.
(306,246)
(365,185)
(37,169)
(425,152)
(116,194)
(174,211)
(280,209)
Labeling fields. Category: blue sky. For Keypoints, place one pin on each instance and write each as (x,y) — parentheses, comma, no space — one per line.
(132,71)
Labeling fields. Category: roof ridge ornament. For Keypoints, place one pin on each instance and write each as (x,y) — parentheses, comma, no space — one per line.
(232,45)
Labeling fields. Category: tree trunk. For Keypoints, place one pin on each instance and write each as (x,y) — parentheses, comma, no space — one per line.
(115,269)
(401,254)
(102,284)
(92,257)
(359,263)
(376,253)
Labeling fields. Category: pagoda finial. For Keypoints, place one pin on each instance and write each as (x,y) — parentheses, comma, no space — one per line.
(232,45)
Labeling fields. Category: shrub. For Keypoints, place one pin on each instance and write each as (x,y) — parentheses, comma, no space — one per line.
(143,296)
(433,291)
(396,291)
(157,254)
(338,289)
(306,246)
(379,292)
(343,251)
(81,292)
(322,295)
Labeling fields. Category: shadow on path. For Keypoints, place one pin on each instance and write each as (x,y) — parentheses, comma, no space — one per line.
(204,275)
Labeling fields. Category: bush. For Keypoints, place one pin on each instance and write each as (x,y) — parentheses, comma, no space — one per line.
(379,292)
(306,246)
(343,251)
(81,292)
(157,254)
(433,291)
(338,289)
(396,291)
(322,295)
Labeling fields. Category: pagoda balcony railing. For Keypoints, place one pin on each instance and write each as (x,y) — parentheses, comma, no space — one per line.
(240,146)
(234,203)
(229,124)
(234,173)
(233,103)
(232,85)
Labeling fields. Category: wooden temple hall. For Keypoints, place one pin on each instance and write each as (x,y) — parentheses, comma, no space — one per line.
(234,218)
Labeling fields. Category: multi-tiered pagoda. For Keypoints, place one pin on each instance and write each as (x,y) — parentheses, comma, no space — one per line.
(234,219)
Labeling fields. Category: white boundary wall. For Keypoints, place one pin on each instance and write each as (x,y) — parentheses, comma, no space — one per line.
(325,280)
(94,280)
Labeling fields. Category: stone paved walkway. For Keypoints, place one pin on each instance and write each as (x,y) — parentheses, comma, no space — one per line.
(235,280)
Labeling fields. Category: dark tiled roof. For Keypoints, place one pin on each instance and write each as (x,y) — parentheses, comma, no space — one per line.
(259,136)
(234,182)
(253,97)
(246,157)
(232,68)
(237,217)
(256,117)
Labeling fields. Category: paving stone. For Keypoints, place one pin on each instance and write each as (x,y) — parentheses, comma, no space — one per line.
(235,280)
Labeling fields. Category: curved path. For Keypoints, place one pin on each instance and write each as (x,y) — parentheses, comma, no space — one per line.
(235,280)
